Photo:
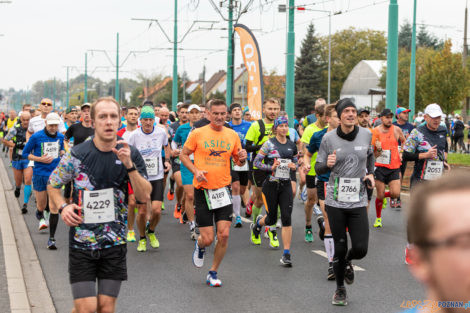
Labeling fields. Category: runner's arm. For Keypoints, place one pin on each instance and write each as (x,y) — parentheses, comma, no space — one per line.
(263,152)
(140,185)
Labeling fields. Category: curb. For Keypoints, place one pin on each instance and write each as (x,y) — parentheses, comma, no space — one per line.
(27,286)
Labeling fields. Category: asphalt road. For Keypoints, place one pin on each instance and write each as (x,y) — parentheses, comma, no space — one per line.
(164,280)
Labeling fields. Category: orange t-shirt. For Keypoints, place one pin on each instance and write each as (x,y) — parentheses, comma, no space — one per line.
(212,152)
(388,142)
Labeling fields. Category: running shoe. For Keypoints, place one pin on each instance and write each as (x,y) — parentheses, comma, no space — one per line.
(384,206)
(24,209)
(212,279)
(255,233)
(308,235)
(177,211)
(398,204)
(198,255)
(393,204)
(408,259)
(321,225)
(42,224)
(303,194)
(170,195)
(154,243)
(349,273)
(331,272)
(142,247)
(273,240)
(185,218)
(130,236)
(340,298)
(51,244)
(163,206)
(17,192)
(238,222)
(285,260)
(378,222)
(192,232)
(249,209)
(317,210)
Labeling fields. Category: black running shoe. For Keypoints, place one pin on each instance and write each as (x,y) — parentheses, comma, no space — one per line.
(285,260)
(51,245)
(349,273)
(331,272)
(185,218)
(340,298)
(17,192)
(321,232)
(24,209)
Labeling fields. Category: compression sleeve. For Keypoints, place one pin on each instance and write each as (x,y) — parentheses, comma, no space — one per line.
(251,147)
(410,156)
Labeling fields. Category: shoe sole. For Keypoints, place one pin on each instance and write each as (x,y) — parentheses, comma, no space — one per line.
(43,227)
(52,248)
(342,303)
(286,264)
(331,277)
(141,250)
(210,285)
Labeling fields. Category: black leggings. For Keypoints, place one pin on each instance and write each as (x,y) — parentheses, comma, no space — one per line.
(278,194)
(358,226)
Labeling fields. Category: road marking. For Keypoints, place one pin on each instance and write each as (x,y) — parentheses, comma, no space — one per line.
(323,254)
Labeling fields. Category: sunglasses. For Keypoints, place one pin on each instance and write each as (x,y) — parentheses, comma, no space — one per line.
(48,104)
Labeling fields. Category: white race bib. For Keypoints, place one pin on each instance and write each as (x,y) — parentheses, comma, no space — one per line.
(433,170)
(243,168)
(19,152)
(384,157)
(283,170)
(51,149)
(152,164)
(218,198)
(349,189)
(98,206)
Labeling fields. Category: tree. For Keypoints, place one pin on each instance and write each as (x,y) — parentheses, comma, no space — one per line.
(274,86)
(426,39)
(136,93)
(217,95)
(309,79)
(196,95)
(349,47)
(405,35)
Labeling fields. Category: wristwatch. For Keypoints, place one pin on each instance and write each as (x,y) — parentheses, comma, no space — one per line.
(131,169)
(62,207)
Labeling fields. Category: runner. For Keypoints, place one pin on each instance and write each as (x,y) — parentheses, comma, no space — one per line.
(132,118)
(312,198)
(239,174)
(385,138)
(364,122)
(347,153)
(280,160)
(10,123)
(45,148)
(402,116)
(427,147)
(149,141)
(213,147)
(312,118)
(186,175)
(164,123)
(101,169)
(322,181)
(37,123)
(71,115)
(16,140)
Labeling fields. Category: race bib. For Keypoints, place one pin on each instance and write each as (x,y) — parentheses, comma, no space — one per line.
(283,170)
(218,198)
(348,189)
(433,170)
(51,149)
(384,157)
(152,164)
(243,168)
(98,206)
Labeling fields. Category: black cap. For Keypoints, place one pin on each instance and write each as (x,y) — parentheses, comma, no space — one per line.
(385,112)
(362,110)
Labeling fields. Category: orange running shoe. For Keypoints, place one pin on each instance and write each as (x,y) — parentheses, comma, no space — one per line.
(177,212)
(170,195)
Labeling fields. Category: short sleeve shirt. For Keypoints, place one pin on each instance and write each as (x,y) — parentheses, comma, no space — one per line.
(38,123)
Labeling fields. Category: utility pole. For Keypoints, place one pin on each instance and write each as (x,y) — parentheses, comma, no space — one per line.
(229,89)
(392,57)
(204,83)
(53,94)
(290,78)
(68,95)
(116,88)
(464,64)
(86,79)
(411,99)
(174,86)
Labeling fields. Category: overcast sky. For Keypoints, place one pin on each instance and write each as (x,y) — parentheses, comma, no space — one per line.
(40,37)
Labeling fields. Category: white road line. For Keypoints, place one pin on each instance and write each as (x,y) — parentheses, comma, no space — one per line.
(323,254)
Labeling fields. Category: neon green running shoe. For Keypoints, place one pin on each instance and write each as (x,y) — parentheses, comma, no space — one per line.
(384,206)
(308,235)
(142,247)
(154,243)
(130,236)
(378,222)
(255,239)
(273,240)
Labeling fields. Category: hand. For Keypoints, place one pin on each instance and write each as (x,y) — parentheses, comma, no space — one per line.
(432,153)
(275,165)
(167,166)
(370,178)
(292,166)
(307,168)
(69,216)
(124,153)
(331,160)
(378,145)
(242,155)
(200,177)
(447,166)
(175,153)
(45,159)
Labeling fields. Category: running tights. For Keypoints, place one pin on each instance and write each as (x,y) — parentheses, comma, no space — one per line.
(278,194)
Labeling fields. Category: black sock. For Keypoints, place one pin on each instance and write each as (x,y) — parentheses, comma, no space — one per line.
(18,188)
(308,226)
(172,185)
(53,221)
(40,214)
(143,237)
(150,231)
(47,207)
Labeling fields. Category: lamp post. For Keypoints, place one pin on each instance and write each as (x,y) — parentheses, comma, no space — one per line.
(411,99)
(392,57)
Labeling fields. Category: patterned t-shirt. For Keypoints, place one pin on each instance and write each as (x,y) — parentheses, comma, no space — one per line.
(92,169)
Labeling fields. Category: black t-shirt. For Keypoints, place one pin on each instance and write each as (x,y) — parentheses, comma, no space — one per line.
(79,133)
(458,128)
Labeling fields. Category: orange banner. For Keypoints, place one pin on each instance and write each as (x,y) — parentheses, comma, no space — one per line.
(252,59)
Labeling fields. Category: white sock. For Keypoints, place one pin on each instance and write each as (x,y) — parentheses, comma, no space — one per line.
(237,203)
(329,247)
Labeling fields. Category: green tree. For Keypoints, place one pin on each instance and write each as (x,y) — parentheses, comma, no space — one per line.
(405,35)
(426,39)
(196,95)
(309,79)
(274,86)
(217,95)
(135,96)
(349,47)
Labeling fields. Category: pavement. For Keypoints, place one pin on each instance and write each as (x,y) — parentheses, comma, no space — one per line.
(164,280)
(4,299)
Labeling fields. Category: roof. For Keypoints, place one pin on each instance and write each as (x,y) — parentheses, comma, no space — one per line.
(363,77)
(154,89)
(192,86)
(214,79)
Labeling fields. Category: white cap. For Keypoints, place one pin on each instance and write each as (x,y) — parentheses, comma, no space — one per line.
(52,119)
(194,106)
(433,110)
(457,115)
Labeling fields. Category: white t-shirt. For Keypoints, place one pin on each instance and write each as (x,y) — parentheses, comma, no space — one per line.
(150,147)
(127,134)
(38,123)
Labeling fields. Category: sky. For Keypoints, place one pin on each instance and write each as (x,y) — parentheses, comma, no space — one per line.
(38,38)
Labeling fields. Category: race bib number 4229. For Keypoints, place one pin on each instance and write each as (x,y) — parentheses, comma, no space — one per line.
(98,206)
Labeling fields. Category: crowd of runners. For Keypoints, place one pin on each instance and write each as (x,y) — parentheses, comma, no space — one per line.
(107,171)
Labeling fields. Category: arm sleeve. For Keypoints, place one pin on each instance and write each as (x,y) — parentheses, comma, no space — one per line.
(411,142)
(410,156)
(258,162)
(322,156)
(370,160)
(251,147)
(64,171)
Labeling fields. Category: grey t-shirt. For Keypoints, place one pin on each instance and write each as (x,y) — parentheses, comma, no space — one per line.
(353,160)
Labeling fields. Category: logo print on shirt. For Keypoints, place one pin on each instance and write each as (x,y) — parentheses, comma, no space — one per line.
(216,153)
